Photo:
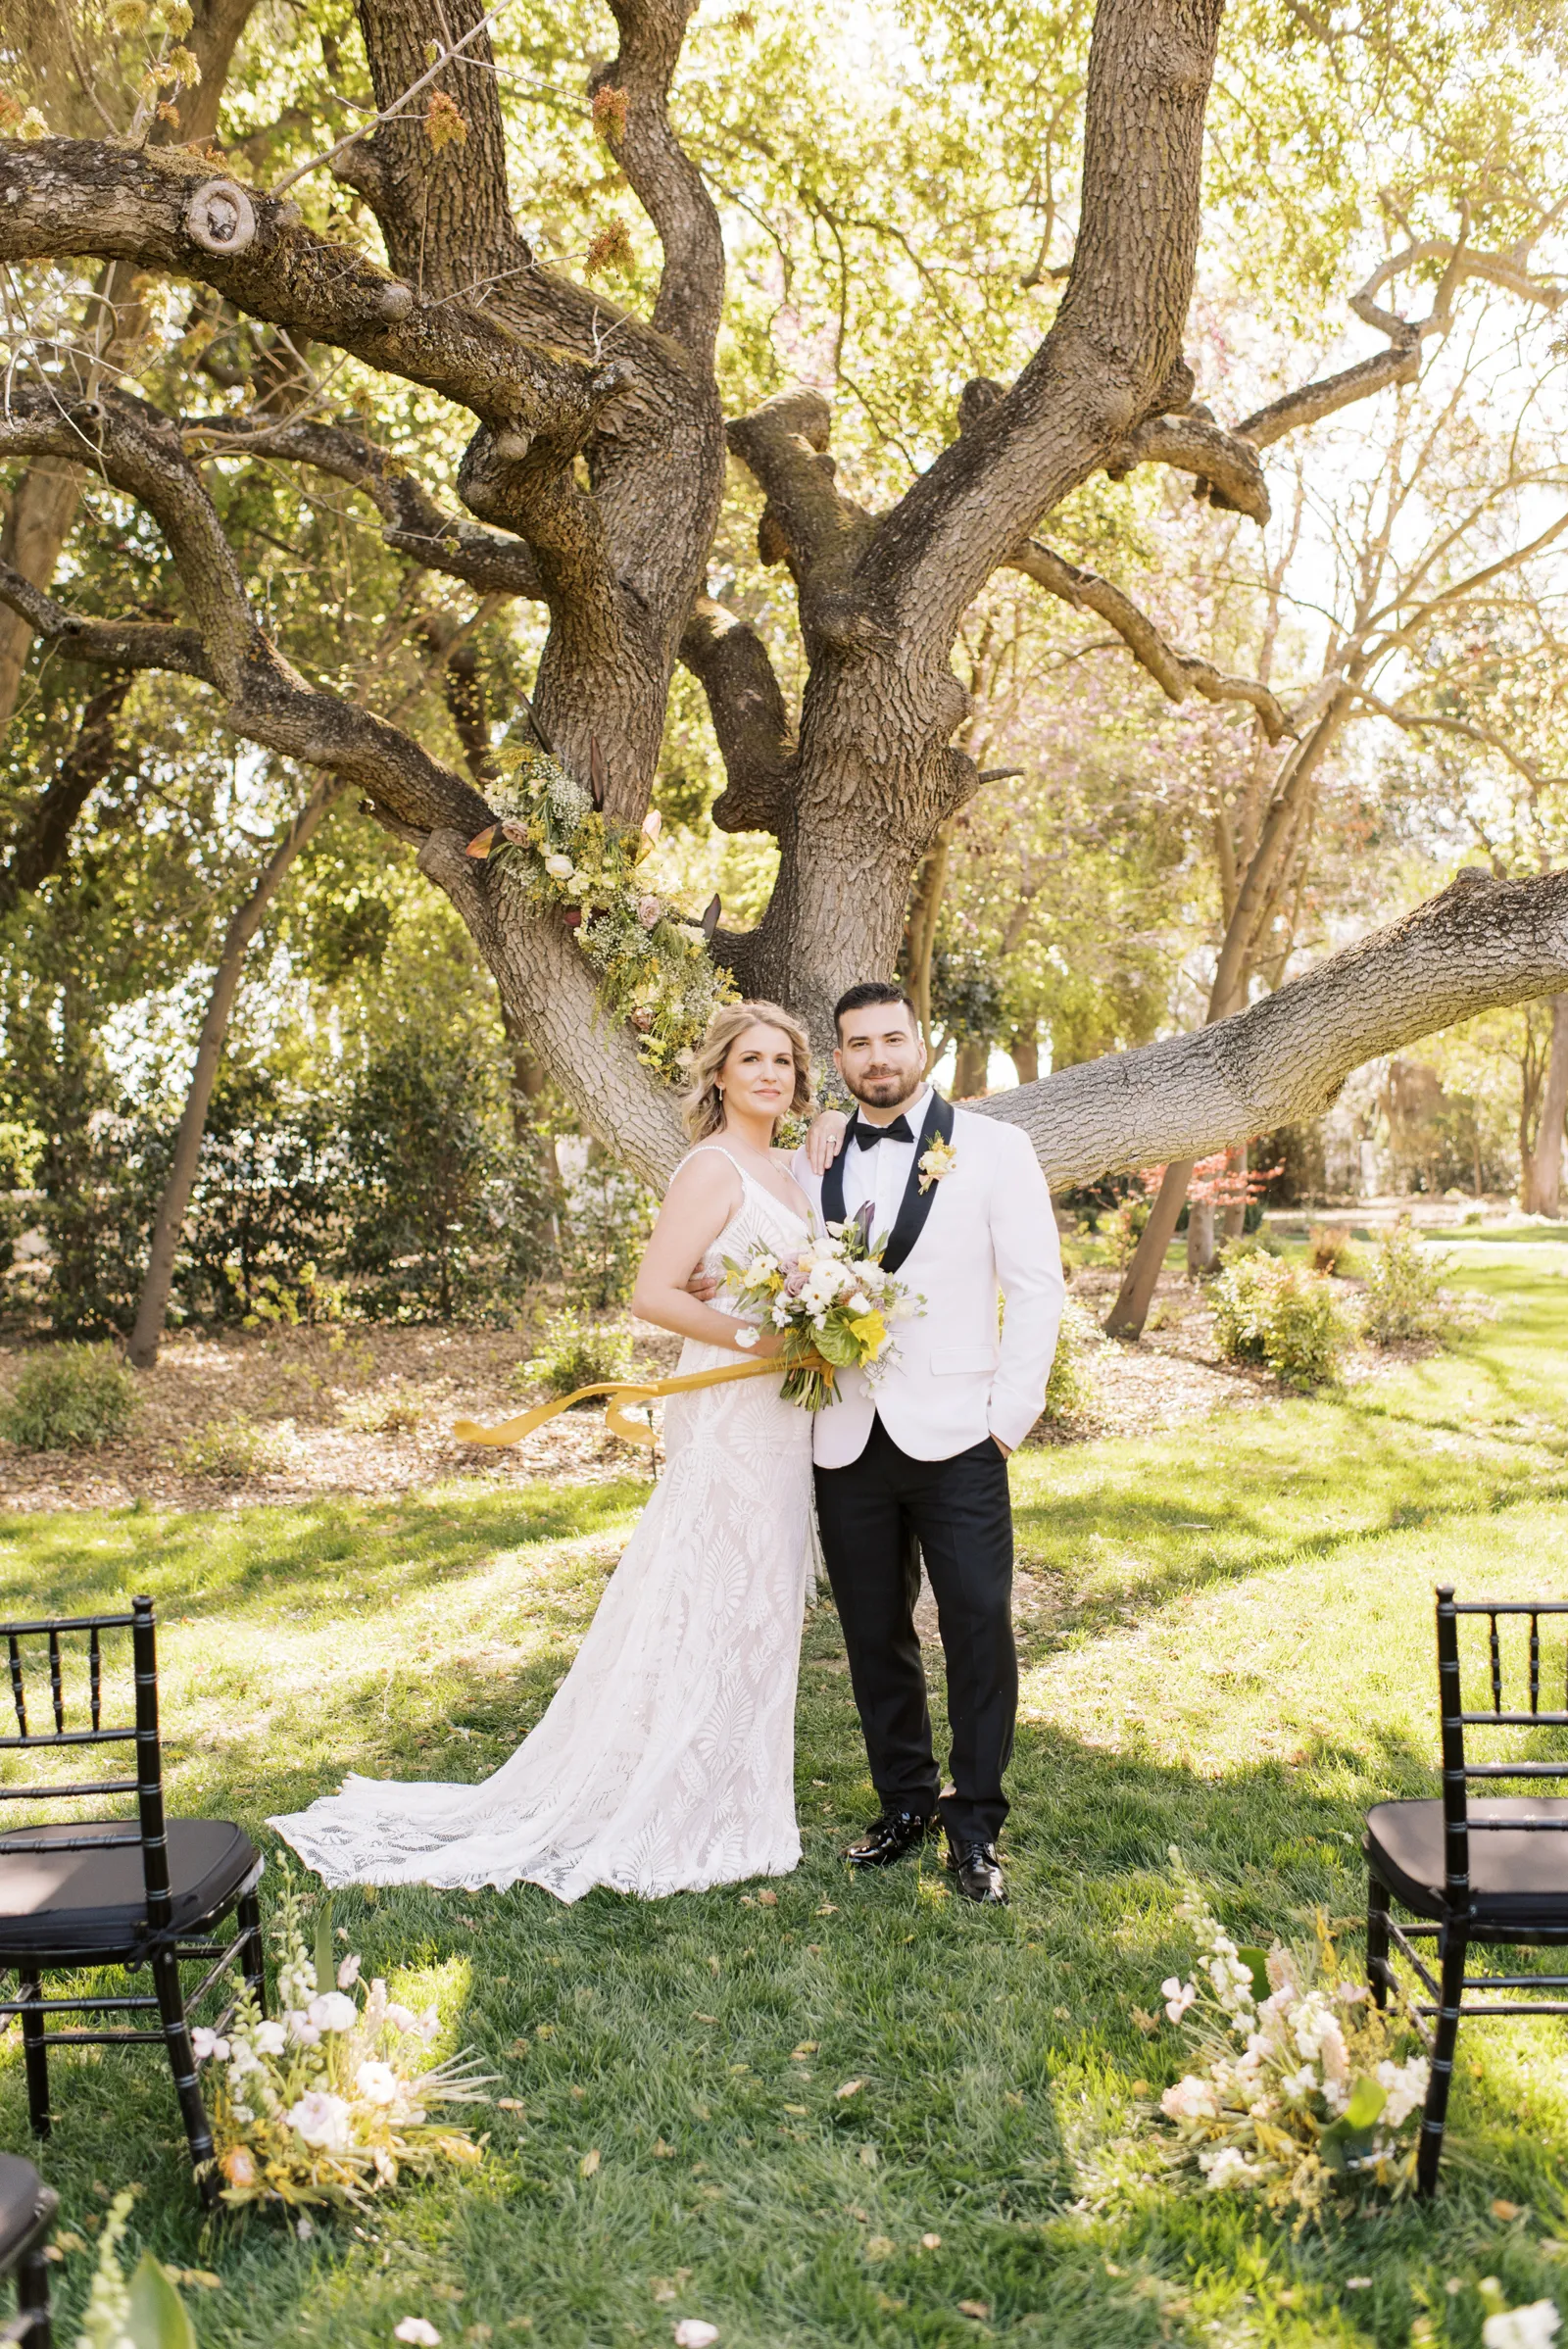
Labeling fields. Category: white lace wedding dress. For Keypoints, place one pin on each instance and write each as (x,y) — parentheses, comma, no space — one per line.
(666,1762)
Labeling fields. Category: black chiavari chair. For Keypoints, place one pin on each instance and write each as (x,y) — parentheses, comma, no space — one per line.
(27,2209)
(1507,1887)
(142,1893)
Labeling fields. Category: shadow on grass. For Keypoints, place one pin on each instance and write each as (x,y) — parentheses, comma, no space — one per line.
(785,2098)
(392,1548)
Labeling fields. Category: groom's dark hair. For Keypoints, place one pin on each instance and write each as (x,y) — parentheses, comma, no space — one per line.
(869,991)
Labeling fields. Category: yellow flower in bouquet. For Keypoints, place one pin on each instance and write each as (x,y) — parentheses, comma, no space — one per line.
(832,1302)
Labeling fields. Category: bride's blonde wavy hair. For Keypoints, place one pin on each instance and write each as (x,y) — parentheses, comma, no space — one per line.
(703,1104)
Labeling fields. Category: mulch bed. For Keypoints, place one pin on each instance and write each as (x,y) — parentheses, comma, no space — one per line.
(296,1383)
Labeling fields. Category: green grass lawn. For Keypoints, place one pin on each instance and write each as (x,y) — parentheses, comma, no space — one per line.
(1228,1645)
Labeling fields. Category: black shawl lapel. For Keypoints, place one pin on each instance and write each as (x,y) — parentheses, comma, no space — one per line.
(915,1205)
(833,1180)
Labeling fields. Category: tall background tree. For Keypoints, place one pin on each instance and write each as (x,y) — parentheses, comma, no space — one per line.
(439,307)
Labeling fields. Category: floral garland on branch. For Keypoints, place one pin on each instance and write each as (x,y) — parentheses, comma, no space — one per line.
(654,967)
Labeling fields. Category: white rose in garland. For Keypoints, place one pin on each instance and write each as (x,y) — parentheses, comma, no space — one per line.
(654,969)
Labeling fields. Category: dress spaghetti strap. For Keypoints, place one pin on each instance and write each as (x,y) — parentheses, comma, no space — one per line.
(718,1150)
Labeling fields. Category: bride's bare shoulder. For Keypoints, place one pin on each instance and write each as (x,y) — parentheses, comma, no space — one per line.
(703,1174)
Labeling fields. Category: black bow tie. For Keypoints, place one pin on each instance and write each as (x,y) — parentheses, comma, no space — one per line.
(870,1136)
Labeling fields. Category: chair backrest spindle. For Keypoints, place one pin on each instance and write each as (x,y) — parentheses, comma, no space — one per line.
(1535,1661)
(95,1677)
(1455,1804)
(56,1696)
(1497,1667)
(19,1697)
(149,1766)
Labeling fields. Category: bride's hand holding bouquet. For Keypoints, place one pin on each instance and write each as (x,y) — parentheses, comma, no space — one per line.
(825,1308)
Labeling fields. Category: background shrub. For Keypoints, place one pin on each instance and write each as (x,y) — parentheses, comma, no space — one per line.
(575,1351)
(394,1410)
(70,1400)
(604,1230)
(1329,1248)
(237,1447)
(1282,1317)
(1405,1292)
(447,1211)
(1070,1389)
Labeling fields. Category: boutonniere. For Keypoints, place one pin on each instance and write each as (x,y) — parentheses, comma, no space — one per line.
(937,1162)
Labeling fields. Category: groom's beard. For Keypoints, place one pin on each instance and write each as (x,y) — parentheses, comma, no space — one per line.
(885,1092)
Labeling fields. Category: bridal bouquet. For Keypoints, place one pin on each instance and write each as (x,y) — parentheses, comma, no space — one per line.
(339,2097)
(833,1302)
(1298,2082)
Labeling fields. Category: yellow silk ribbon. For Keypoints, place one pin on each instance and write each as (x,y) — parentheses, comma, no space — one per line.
(619,1391)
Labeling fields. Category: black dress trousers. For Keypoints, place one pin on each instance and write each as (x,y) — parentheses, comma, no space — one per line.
(873,1513)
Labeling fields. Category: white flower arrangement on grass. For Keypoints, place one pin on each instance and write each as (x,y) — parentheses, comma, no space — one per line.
(1303,2083)
(339,2097)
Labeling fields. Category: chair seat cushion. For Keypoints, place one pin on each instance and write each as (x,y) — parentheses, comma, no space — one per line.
(27,2206)
(93,1904)
(1515,1878)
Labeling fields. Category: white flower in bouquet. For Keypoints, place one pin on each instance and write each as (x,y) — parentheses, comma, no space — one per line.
(1190,2100)
(1535,2327)
(1178,1996)
(348,1974)
(1406,2088)
(376,2082)
(301,2030)
(204,2044)
(1228,2167)
(270,2038)
(332,2011)
(402,2018)
(322,2119)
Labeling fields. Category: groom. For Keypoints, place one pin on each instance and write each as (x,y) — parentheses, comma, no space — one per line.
(918,1464)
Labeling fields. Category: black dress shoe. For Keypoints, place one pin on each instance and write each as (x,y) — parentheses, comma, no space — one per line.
(979,1873)
(889,1838)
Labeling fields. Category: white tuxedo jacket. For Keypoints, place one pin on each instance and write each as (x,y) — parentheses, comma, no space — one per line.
(985,1229)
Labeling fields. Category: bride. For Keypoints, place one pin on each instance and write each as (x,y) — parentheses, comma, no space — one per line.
(666,1762)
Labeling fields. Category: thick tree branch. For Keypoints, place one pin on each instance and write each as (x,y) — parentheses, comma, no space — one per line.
(40,840)
(807,522)
(1111,358)
(263,698)
(414,523)
(104,644)
(1481,944)
(1177,674)
(632,105)
(730,662)
(75,196)
(1225,462)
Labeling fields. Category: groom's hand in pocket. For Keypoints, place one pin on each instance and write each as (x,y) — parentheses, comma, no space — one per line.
(1005,1449)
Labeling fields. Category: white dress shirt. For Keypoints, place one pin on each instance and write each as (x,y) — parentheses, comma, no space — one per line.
(882,1173)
